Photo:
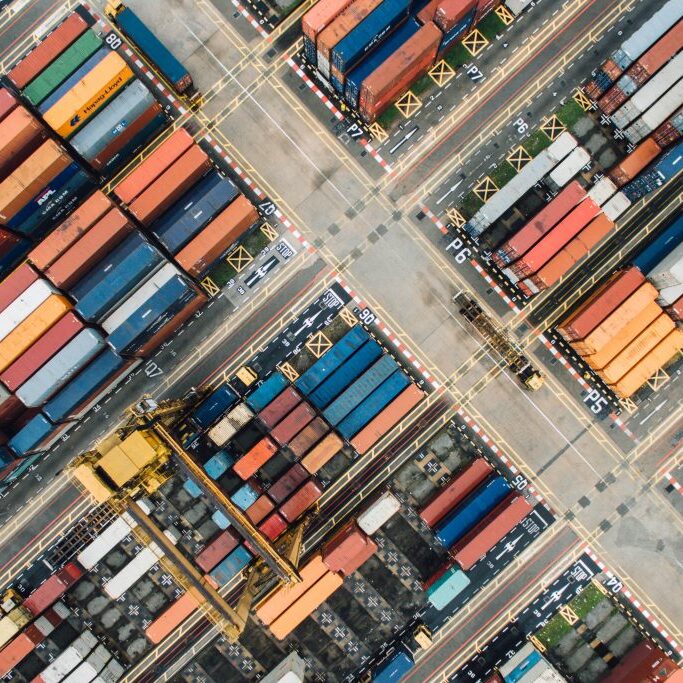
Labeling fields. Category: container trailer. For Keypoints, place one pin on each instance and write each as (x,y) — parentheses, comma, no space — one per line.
(106,541)
(136,568)
(656,114)
(395,667)
(152,48)
(213,406)
(321,454)
(274,385)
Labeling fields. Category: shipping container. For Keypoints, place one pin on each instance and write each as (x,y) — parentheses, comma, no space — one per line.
(213,406)
(61,68)
(33,437)
(378,513)
(273,526)
(567,169)
(107,540)
(471,511)
(279,407)
(656,115)
(218,464)
(51,590)
(517,6)
(616,206)
(136,568)
(400,662)
(450,12)
(257,456)
(322,453)
(27,302)
(193,211)
(345,374)
(290,670)
(231,566)
(260,509)
(361,388)
(94,90)
(640,664)
(660,247)
(204,249)
(293,423)
(154,49)
(45,52)
(60,667)
(373,404)
(20,135)
(15,284)
(670,295)
(288,483)
(320,15)
(602,191)
(397,73)
(668,272)
(13,653)
(299,502)
(308,437)
(219,547)
(158,161)
(173,616)
(267,391)
(441,593)
(227,427)
(8,102)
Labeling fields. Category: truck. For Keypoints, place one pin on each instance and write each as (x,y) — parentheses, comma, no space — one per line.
(397,665)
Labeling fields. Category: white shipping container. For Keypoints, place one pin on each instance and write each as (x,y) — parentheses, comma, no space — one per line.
(669,271)
(85,643)
(323,65)
(44,626)
(132,572)
(61,610)
(602,190)
(616,206)
(24,305)
(570,166)
(655,27)
(291,669)
(60,368)
(63,665)
(669,295)
(517,6)
(99,657)
(222,431)
(379,513)
(139,297)
(559,149)
(8,629)
(656,114)
(112,672)
(83,674)
(106,541)
(240,415)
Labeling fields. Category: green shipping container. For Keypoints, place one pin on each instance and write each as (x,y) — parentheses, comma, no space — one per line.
(55,74)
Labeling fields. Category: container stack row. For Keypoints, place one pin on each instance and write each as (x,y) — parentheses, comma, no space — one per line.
(469,515)
(370,52)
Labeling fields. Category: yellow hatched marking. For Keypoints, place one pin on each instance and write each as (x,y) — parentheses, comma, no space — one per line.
(210,287)
(239,259)
(569,615)
(475,42)
(519,158)
(581,97)
(377,132)
(348,317)
(409,104)
(288,371)
(485,189)
(456,218)
(628,405)
(505,15)
(553,127)
(269,231)
(657,380)
(537,643)
(318,344)
(441,73)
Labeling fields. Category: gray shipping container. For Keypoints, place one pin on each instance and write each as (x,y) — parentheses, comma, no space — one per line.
(60,368)
(111,121)
(656,114)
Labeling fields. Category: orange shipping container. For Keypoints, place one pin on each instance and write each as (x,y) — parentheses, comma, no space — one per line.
(172,617)
(322,453)
(217,236)
(627,169)
(63,236)
(260,509)
(12,654)
(154,165)
(321,15)
(31,177)
(31,329)
(616,321)
(634,352)
(596,230)
(89,249)
(387,418)
(20,135)
(171,185)
(658,358)
(305,605)
(69,113)
(284,596)
(598,360)
(256,457)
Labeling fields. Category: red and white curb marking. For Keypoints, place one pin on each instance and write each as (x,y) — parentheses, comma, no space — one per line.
(636,604)
(337,114)
(245,13)
(673,481)
(491,283)
(491,445)
(400,346)
(434,219)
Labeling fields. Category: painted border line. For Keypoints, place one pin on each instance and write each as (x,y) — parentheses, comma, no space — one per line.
(387,332)
(338,115)
(636,604)
(245,13)
(673,481)
(435,219)
(491,445)
(496,288)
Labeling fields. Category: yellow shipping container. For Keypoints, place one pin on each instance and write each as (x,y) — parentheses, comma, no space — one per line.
(648,366)
(637,349)
(598,360)
(88,95)
(31,329)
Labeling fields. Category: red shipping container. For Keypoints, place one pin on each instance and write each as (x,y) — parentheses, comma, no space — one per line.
(600,304)
(7,102)
(484,7)
(346,545)
(51,615)
(170,185)
(540,224)
(255,458)
(501,520)
(288,483)
(667,133)
(14,652)
(10,409)
(353,563)
(458,489)
(169,151)
(642,664)
(89,249)
(219,547)
(279,407)
(20,135)
(34,634)
(18,281)
(51,590)
(323,13)
(68,232)
(676,309)
(41,351)
(47,50)
(395,76)
(291,425)
(628,168)
(308,437)
(297,504)
(426,14)
(450,12)
(272,527)
(612,100)
(259,510)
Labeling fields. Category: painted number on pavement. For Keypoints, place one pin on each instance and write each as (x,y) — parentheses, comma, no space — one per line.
(461,253)
(113,41)
(153,370)
(521,125)
(474,73)
(596,401)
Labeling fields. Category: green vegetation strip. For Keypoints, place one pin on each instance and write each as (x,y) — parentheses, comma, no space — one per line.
(502,174)
(536,143)
(569,113)
(491,26)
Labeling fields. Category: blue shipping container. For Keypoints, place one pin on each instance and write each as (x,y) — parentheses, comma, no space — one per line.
(231,566)
(31,435)
(192,488)
(115,279)
(523,668)
(196,208)
(345,374)
(373,404)
(393,669)
(272,387)
(244,496)
(310,52)
(217,464)
(647,259)
(213,406)
(6,457)
(455,34)
(368,34)
(443,591)
(14,255)
(471,511)
(360,389)
(324,366)
(154,49)
(89,382)
(376,58)
(220,520)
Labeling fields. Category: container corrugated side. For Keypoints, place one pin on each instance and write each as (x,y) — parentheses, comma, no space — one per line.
(321,15)
(132,572)
(27,302)
(20,135)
